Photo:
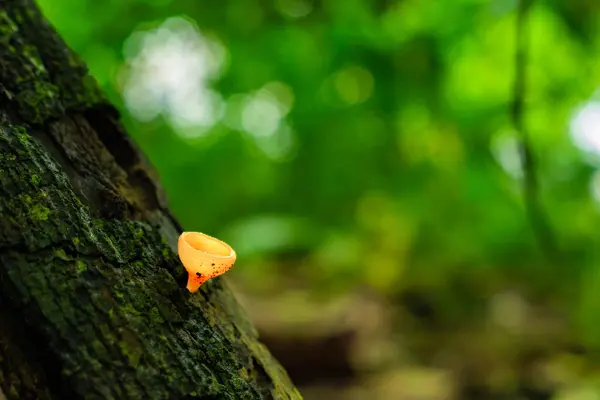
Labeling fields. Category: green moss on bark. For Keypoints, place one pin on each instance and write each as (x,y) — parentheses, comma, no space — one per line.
(106,292)
(38,73)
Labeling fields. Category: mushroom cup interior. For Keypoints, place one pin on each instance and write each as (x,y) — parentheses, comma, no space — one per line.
(208,245)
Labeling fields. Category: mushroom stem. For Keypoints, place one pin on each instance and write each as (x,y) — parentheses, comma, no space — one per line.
(193,283)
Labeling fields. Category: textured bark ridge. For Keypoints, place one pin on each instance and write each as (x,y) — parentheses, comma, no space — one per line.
(92,297)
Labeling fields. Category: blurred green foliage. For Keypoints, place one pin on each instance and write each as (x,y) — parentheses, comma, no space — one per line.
(351,143)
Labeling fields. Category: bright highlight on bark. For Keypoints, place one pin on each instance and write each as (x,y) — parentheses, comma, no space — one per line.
(204,257)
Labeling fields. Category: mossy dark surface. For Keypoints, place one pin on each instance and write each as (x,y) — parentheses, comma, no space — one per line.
(50,78)
(92,297)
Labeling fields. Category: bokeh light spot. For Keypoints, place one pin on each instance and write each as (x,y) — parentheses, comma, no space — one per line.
(354,84)
(168,73)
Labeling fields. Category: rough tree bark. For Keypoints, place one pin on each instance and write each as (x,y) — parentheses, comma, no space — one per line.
(92,297)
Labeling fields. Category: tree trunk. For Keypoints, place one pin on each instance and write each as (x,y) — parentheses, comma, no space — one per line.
(92,294)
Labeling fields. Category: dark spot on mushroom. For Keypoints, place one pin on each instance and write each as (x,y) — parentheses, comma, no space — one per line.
(213,264)
(198,274)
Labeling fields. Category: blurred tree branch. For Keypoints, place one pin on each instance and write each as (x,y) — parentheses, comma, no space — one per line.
(539,222)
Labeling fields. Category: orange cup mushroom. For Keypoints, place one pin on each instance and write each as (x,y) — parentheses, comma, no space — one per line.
(204,257)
